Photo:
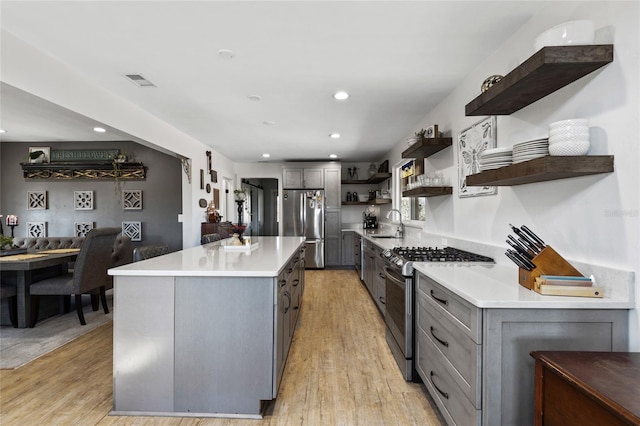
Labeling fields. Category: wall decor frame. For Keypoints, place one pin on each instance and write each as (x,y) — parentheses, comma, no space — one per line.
(36,229)
(472,142)
(37,200)
(132,199)
(83,200)
(431,131)
(45,149)
(81,229)
(201,179)
(132,230)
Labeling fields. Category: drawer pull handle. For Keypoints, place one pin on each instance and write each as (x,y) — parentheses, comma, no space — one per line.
(442,342)
(381,299)
(383,276)
(445,394)
(296,282)
(443,301)
(283,283)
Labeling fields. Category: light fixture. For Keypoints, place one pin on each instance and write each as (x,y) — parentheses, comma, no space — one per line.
(268,122)
(334,135)
(99,129)
(254,97)
(265,155)
(333,155)
(226,54)
(341,95)
(3,131)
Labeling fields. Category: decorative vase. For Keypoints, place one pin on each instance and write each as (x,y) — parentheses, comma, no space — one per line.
(235,240)
(373,169)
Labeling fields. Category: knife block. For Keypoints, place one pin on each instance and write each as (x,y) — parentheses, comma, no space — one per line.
(548,262)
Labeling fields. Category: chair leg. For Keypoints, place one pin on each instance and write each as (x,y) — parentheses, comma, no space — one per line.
(103,297)
(79,309)
(13,311)
(95,303)
(35,307)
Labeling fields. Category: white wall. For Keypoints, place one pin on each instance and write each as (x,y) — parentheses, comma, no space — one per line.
(35,72)
(592,219)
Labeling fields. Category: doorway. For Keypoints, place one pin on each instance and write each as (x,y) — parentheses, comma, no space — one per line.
(261,206)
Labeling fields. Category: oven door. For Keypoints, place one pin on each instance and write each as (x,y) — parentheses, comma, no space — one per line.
(398,310)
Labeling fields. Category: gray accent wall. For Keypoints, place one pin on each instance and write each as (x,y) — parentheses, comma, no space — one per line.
(161,194)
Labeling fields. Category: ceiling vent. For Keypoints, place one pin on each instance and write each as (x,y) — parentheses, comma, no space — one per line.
(139,80)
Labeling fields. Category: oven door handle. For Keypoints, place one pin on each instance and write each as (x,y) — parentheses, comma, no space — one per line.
(391,275)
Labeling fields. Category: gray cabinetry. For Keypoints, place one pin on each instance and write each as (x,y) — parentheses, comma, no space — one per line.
(379,282)
(298,178)
(357,253)
(332,238)
(475,362)
(332,188)
(347,248)
(368,264)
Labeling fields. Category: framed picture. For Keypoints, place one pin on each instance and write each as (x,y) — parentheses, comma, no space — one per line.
(431,131)
(45,149)
(472,142)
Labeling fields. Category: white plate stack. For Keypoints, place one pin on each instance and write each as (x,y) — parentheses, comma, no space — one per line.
(525,151)
(569,137)
(495,158)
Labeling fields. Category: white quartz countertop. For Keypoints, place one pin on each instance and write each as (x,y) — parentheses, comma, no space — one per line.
(266,259)
(496,286)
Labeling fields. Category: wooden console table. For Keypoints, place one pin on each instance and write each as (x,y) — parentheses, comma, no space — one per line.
(587,388)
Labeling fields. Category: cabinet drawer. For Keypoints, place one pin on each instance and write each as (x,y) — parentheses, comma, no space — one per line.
(462,354)
(449,397)
(454,307)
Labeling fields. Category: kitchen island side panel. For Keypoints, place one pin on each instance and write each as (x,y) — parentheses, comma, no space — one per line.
(143,342)
(511,334)
(224,330)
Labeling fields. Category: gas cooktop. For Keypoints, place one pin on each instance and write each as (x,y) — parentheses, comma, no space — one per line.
(435,254)
(402,258)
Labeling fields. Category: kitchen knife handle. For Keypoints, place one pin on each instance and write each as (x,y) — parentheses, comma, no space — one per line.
(533,235)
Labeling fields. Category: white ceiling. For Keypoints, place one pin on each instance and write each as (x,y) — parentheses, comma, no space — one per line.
(396,59)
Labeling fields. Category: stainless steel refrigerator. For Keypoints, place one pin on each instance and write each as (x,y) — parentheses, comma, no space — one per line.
(303,216)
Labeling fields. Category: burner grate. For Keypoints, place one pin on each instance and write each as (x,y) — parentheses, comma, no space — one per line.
(435,254)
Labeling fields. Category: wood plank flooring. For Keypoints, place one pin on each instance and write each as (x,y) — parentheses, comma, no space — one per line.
(339,372)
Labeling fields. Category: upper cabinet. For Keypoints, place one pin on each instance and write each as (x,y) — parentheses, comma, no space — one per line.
(548,70)
(303,178)
(332,188)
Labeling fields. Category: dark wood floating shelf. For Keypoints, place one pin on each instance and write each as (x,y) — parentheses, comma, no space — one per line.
(95,171)
(543,169)
(426,147)
(377,178)
(548,70)
(428,191)
(367,203)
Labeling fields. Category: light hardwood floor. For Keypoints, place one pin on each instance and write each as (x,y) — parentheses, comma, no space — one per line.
(339,372)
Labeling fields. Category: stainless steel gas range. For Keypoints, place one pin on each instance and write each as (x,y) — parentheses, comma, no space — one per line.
(400,296)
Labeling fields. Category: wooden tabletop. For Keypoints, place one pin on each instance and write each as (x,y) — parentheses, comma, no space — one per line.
(613,378)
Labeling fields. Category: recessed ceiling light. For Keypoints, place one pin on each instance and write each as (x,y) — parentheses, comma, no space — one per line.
(333,156)
(99,129)
(226,54)
(334,135)
(265,155)
(254,97)
(268,123)
(341,95)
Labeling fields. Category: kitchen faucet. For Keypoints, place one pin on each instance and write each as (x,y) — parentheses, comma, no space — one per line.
(400,228)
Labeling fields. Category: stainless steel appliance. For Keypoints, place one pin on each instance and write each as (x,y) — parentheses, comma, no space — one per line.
(303,216)
(400,296)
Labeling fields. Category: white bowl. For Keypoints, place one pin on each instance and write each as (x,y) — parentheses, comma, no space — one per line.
(567,33)
(562,141)
(569,133)
(572,123)
(569,148)
(363,197)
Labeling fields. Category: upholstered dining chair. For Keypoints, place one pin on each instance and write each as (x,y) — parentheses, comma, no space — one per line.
(8,291)
(89,275)
(149,251)
(209,238)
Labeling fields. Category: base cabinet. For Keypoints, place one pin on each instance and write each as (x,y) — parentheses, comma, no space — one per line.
(475,362)
(347,248)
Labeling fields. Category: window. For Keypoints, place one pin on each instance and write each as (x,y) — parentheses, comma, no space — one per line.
(412,208)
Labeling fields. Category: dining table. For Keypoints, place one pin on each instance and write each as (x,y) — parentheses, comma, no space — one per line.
(28,267)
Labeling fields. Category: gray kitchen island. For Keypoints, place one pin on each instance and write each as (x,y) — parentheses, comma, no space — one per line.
(205,331)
